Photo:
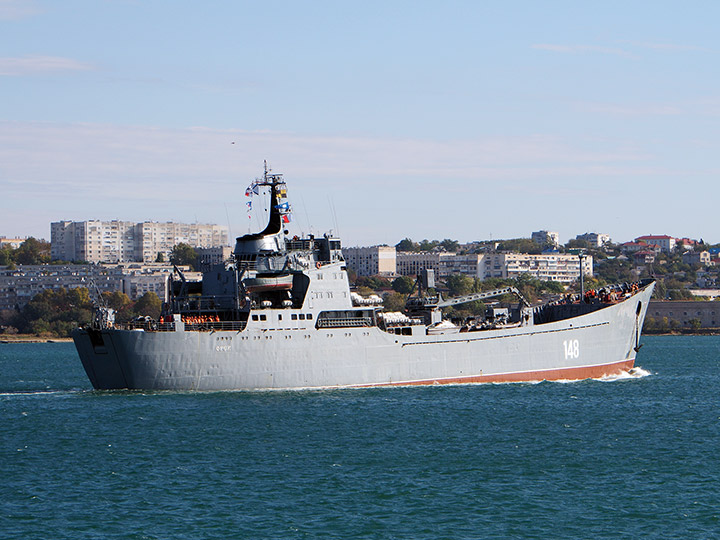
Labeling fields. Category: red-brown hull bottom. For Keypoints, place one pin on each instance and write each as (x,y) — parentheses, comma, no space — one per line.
(561,374)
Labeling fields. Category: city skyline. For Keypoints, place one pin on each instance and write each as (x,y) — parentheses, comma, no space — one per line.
(463,120)
(231,239)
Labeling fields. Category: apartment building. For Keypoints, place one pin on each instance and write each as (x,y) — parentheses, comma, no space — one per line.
(594,239)
(120,241)
(546,237)
(18,285)
(209,257)
(409,263)
(469,264)
(13,243)
(551,266)
(371,261)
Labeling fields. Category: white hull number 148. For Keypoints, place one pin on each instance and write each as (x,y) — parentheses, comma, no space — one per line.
(572,348)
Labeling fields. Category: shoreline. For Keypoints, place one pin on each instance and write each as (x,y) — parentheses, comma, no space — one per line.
(24,338)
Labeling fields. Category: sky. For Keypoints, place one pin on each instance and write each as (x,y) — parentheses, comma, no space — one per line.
(468,120)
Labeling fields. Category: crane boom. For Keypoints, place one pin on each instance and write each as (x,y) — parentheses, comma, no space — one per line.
(482,295)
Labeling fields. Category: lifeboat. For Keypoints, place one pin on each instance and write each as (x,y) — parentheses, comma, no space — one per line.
(269,283)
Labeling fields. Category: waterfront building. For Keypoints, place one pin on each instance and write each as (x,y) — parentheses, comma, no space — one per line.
(682,313)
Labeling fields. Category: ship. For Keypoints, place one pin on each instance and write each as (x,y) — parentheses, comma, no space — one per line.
(280,314)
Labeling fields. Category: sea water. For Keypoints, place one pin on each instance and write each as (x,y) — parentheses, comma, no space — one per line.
(632,457)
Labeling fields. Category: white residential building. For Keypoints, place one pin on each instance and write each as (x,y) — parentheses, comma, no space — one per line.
(120,241)
(470,264)
(553,266)
(666,243)
(13,243)
(546,237)
(19,284)
(209,257)
(594,239)
(560,267)
(410,263)
(371,261)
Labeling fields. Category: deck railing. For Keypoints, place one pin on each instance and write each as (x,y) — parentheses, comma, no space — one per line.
(154,326)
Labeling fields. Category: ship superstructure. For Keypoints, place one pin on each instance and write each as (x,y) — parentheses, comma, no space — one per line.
(281,314)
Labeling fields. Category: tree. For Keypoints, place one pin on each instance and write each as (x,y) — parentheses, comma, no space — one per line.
(460,284)
(364,291)
(6,256)
(149,304)
(578,244)
(649,325)
(403,284)
(450,245)
(375,283)
(394,302)
(427,245)
(552,287)
(55,312)
(160,257)
(520,245)
(116,300)
(79,297)
(464,311)
(121,303)
(680,294)
(184,254)
(33,251)
(406,245)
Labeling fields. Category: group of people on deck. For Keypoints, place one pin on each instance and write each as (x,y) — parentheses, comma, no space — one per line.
(192,319)
(200,319)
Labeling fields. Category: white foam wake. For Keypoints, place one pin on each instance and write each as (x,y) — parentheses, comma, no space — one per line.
(634,373)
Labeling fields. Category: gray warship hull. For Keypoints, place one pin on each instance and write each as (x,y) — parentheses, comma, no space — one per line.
(280,314)
(294,354)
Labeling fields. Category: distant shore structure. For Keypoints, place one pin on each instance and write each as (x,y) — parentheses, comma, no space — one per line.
(385,261)
(595,240)
(12,243)
(546,238)
(127,241)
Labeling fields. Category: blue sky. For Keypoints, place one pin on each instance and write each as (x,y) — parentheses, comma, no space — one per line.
(459,119)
